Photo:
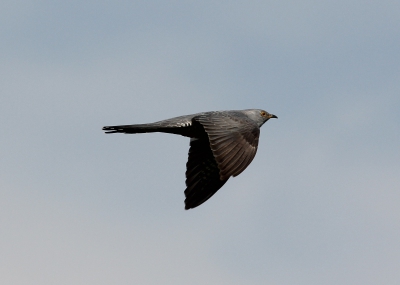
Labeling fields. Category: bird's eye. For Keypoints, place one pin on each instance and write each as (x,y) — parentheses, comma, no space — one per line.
(263,113)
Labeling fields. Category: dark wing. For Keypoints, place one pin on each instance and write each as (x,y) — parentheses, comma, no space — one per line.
(202,174)
(233,140)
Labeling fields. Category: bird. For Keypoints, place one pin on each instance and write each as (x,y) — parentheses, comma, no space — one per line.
(222,144)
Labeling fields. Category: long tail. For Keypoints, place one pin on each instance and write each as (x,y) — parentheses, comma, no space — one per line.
(180,125)
(132,129)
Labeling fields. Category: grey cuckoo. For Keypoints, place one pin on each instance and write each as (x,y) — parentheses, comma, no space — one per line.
(222,144)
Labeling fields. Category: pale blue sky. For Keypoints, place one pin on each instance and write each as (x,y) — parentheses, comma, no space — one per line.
(318,205)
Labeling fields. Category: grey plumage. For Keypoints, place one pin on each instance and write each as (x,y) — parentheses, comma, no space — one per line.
(222,144)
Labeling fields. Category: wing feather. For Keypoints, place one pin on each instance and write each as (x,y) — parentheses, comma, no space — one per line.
(233,140)
(202,174)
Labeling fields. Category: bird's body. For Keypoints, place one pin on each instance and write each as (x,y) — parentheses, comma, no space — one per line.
(222,144)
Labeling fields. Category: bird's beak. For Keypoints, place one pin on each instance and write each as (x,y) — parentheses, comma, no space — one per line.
(272,116)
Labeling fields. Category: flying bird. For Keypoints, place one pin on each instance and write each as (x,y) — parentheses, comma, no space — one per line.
(222,144)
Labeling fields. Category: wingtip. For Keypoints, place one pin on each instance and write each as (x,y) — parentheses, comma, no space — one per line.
(187,206)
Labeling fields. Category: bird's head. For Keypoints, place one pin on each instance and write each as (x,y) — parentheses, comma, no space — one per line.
(259,116)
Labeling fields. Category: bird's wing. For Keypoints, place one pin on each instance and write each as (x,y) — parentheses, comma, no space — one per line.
(202,174)
(233,140)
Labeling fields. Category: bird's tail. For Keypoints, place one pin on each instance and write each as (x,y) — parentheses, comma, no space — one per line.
(132,129)
(179,125)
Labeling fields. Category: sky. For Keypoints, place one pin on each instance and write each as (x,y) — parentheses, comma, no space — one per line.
(319,204)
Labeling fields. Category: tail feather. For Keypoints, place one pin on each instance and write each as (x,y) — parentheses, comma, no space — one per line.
(131,129)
